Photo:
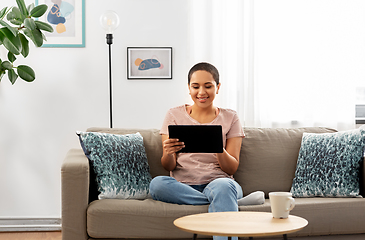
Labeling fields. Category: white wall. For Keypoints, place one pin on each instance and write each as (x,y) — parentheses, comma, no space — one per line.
(38,120)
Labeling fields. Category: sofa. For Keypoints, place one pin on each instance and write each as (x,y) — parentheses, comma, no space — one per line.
(268,162)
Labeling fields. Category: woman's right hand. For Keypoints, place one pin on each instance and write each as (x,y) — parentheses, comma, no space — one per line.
(172,145)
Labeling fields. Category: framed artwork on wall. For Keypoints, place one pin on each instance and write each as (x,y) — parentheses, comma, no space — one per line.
(67,17)
(149,62)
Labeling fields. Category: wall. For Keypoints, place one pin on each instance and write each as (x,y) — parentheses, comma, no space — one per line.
(38,120)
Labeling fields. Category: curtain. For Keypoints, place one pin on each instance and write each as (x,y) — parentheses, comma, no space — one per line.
(283,63)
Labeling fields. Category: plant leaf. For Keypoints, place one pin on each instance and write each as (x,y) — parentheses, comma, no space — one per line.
(2,73)
(44,26)
(30,7)
(2,37)
(26,73)
(16,13)
(10,16)
(16,22)
(44,37)
(5,24)
(29,23)
(15,16)
(7,65)
(35,36)
(3,11)
(12,76)
(22,7)
(39,10)
(25,45)
(11,57)
(10,42)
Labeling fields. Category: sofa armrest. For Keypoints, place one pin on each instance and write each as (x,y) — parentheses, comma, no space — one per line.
(75,195)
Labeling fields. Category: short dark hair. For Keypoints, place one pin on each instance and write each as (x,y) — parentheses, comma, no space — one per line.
(203,66)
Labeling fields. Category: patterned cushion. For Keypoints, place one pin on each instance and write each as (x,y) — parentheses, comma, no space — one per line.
(328,164)
(120,164)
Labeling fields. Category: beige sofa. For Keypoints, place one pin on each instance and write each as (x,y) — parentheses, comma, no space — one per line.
(267,162)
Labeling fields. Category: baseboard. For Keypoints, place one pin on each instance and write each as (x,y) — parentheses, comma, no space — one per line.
(29,224)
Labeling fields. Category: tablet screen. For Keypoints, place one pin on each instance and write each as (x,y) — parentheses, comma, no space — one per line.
(198,138)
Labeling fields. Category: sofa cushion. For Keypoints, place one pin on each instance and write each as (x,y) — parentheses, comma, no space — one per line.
(114,218)
(268,158)
(329,164)
(120,164)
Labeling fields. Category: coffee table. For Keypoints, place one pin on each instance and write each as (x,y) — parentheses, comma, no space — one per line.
(239,224)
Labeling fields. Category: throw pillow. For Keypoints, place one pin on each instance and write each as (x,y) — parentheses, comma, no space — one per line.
(120,164)
(328,164)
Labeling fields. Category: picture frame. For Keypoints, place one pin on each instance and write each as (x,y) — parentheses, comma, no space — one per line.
(67,20)
(149,63)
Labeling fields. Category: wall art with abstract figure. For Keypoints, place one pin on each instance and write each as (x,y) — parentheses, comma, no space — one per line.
(67,17)
(149,62)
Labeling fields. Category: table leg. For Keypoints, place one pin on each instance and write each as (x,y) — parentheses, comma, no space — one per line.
(285,237)
(250,237)
(229,238)
(194,236)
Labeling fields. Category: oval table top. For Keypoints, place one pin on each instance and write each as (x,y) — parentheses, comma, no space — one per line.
(240,224)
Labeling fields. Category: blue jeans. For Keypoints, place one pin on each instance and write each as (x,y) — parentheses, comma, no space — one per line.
(222,194)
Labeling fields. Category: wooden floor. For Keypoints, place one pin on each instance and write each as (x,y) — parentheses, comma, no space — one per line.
(58,236)
(30,236)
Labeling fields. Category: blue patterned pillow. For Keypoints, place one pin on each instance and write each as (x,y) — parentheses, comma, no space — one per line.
(120,164)
(328,164)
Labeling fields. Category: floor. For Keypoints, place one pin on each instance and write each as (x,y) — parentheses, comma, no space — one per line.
(58,236)
(30,236)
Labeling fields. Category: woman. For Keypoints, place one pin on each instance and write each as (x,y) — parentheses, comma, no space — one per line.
(202,178)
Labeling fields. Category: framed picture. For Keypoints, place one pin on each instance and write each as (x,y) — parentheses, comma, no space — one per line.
(68,20)
(149,62)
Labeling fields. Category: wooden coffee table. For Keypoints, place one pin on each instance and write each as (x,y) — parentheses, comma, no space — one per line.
(239,224)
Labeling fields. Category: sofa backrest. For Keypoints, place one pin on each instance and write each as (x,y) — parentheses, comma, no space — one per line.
(269,157)
(267,161)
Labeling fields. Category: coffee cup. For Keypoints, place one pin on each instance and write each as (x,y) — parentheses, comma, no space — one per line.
(281,204)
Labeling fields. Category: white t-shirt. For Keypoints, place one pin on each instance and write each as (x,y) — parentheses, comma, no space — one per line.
(201,168)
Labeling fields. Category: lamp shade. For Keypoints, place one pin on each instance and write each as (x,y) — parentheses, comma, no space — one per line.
(109,21)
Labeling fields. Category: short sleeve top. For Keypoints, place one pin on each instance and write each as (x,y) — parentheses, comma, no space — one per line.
(201,168)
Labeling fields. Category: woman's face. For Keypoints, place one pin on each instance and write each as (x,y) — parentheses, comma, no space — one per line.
(203,88)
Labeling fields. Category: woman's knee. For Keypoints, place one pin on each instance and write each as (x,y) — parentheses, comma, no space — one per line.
(158,183)
(226,186)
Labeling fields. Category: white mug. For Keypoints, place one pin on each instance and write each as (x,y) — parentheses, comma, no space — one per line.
(281,203)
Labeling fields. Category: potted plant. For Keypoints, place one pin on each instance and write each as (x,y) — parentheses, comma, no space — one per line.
(20,26)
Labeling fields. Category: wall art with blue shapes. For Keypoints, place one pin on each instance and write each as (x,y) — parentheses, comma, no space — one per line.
(67,17)
(149,62)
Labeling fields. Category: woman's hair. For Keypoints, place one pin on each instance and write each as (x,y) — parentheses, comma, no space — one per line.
(203,66)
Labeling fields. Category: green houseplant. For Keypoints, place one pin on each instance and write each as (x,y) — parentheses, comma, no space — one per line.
(18,28)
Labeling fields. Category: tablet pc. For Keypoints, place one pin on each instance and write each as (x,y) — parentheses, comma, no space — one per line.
(198,138)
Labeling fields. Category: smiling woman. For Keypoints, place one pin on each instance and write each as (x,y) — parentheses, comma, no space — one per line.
(201,178)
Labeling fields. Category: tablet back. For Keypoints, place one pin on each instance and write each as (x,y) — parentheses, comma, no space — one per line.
(198,138)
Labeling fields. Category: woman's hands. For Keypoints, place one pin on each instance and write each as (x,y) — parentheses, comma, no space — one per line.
(229,159)
(170,148)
